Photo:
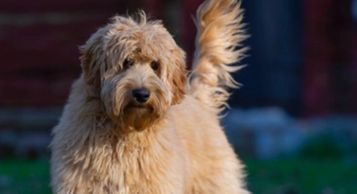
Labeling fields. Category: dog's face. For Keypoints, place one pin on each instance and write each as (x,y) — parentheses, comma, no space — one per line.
(136,69)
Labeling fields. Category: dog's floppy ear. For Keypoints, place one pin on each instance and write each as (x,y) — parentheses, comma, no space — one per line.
(179,76)
(91,58)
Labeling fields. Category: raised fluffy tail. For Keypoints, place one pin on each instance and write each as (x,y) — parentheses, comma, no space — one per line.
(219,40)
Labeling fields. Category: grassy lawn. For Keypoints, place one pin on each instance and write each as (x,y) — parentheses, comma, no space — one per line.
(285,176)
(24,177)
(302,177)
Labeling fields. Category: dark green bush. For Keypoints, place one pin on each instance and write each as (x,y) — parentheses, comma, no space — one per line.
(321,148)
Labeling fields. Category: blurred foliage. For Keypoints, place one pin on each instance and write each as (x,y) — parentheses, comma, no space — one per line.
(283,176)
(322,147)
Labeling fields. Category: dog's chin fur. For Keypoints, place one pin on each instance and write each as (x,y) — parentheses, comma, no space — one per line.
(136,118)
(139,118)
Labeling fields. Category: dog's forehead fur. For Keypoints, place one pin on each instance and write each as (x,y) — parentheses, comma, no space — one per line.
(140,39)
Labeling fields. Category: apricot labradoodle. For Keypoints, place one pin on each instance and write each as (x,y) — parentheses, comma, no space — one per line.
(135,123)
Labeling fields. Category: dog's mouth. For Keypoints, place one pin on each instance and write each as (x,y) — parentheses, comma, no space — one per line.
(136,106)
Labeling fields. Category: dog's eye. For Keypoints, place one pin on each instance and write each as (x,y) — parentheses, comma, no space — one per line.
(127,63)
(155,65)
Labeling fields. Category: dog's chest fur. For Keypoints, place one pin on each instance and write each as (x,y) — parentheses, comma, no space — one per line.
(136,163)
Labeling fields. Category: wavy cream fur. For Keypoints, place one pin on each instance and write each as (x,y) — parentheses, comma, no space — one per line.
(220,32)
(172,145)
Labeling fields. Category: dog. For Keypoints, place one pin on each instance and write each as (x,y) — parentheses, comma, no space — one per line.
(136,122)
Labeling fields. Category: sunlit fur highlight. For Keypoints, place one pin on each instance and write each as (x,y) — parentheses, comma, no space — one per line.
(174,144)
(218,46)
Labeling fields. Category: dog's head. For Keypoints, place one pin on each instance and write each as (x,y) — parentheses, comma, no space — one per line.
(136,69)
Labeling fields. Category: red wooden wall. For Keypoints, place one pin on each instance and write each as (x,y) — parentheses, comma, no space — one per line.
(38,46)
(39,55)
(330,69)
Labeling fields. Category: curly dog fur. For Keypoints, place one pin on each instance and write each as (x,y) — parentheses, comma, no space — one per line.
(135,123)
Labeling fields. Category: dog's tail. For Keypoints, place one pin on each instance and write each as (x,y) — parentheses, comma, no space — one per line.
(219,40)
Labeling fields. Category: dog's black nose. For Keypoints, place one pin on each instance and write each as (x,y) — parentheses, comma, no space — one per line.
(141,95)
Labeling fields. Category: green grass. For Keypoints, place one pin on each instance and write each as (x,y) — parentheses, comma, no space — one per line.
(284,176)
(302,177)
(24,177)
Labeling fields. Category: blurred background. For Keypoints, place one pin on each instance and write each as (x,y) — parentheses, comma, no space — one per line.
(293,123)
